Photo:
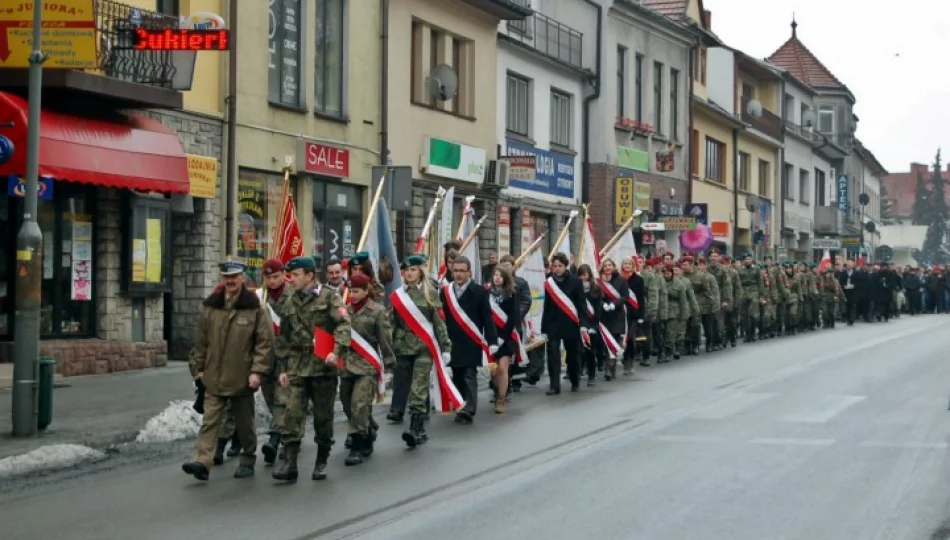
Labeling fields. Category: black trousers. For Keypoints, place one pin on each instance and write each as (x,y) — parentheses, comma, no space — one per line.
(851,306)
(466,380)
(709,329)
(572,347)
(400,389)
(593,356)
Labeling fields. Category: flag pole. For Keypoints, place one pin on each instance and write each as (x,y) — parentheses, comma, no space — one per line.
(471,235)
(616,237)
(468,204)
(367,222)
(580,247)
(564,231)
(275,248)
(534,245)
(424,234)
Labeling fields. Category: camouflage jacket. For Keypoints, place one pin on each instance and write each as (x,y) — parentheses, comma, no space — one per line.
(652,307)
(736,285)
(277,304)
(317,306)
(724,281)
(371,322)
(796,289)
(777,291)
(706,291)
(663,300)
(831,289)
(811,282)
(678,305)
(405,341)
(694,307)
(751,281)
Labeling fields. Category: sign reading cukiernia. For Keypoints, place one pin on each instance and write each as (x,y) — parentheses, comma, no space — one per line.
(68,35)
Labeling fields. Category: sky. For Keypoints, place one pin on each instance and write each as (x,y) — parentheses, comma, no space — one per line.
(893,56)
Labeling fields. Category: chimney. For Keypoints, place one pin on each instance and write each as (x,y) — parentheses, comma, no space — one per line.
(707,19)
(918,167)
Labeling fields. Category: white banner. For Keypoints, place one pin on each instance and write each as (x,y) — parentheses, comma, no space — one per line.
(625,247)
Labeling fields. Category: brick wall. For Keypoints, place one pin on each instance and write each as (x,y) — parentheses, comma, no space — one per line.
(423,193)
(97,356)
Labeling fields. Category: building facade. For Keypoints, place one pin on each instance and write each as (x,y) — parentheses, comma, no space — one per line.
(543,78)
(129,204)
(448,142)
(640,125)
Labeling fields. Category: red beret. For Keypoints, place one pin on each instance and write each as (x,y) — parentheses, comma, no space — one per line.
(272,266)
(701,260)
(668,265)
(359,281)
(687,258)
(654,261)
(726,259)
(717,251)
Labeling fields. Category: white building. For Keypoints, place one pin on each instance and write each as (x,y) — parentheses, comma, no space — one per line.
(868,180)
(543,76)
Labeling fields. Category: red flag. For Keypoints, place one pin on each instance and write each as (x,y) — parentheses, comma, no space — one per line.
(289,239)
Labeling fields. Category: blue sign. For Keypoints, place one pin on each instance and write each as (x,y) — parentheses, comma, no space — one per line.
(16,187)
(555,172)
(6,150)
(700,211)
(843,193)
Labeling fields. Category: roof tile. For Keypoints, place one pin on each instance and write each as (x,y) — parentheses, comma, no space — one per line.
(902,188)
(674,9)
(794,57)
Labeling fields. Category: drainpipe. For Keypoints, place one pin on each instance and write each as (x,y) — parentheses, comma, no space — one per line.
(689,135)
(735,191)
(384,83)
(585,167)
(781,151)
(231,167)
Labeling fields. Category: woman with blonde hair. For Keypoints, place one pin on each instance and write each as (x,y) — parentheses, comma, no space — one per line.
(505,313)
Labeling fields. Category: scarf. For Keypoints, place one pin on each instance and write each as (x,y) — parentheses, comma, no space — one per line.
(586,286)
(359,305)
(275,293)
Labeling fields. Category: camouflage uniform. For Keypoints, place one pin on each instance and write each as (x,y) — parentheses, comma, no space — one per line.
(651,312)
(831,295)
(795,297)
(752,292)
(658,331)
(733,323)
(358,384)
(708,301)
(694,314)
(778,279)
(678,311)
(724,282)
(773,298)
(274,396)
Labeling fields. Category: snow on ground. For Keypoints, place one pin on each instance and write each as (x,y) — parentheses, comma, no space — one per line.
(180,421)
(47,458)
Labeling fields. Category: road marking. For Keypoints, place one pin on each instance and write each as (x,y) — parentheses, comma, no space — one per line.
(825,409)
(793,442)
(688,438)
(733,405)
(906,445)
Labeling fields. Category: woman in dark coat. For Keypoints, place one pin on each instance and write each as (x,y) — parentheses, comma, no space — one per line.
(636,302)
(507,317)
(594,306)
(614,314)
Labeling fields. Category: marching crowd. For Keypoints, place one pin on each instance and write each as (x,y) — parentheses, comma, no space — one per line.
(303,340)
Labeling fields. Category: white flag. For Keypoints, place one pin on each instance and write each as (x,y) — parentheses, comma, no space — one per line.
(625,247)
(565,248)
(590,254)
(533,271)
(471,251)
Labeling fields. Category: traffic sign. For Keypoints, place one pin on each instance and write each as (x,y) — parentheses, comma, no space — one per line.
(826,243)
(68,35)
(6,150)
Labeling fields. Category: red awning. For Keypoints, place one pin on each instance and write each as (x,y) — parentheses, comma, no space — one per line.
(123,151)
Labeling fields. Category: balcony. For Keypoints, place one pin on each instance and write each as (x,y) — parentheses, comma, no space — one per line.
(828,220)
(823,144)
(768,123)
(552,39)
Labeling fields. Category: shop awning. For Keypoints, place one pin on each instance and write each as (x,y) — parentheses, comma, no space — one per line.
(117,150)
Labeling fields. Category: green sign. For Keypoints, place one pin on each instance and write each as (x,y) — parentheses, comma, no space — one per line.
(453,160)
(631,158)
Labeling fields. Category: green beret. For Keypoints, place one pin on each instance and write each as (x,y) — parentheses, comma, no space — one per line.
(403,265)
(767,258)
(359,257)
(416,260)
(303,263)
(812,266)
(747,254)
(231,268)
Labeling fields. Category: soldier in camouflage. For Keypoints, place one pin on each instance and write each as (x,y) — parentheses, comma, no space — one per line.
(359,384)
(695,313)
(309,378)
(710,304)
(659,330)
(724,282)
(733,324)
(650,310)
(361,265)
(796,295)
(275,292)
(831,295)
(677,312)
(753,296)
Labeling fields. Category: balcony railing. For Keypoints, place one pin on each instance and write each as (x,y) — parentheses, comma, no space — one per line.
(114,23)
(549,37)
(768,123)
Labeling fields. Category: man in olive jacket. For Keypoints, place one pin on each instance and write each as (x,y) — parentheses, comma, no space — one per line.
(232,356)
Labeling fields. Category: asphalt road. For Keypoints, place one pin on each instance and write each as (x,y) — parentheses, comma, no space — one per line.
(834,435)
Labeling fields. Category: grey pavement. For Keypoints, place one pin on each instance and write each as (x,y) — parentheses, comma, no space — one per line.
(833,435)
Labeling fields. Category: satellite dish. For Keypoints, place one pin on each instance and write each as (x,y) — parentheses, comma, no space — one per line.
(751,203)
(754,108)
(808,119)
(442,83)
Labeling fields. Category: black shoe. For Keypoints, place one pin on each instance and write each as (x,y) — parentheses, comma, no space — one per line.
(464,418)
(320,466)
(553,392)
(270,448)
(348,443)
(287,471)
(395,417)
(244,471)
(422,435)
(219,451)
(367,444)
(411,435)
(199,471)
(235,446)
(356,451)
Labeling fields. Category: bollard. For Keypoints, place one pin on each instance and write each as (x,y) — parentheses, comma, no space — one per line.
(47,369)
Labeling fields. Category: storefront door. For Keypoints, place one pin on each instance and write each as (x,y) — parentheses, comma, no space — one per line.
(341,235)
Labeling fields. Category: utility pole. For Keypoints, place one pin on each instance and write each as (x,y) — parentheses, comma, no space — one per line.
(29,256)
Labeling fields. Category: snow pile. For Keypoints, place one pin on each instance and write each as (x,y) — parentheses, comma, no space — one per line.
(178,421)
(262,413)
(47,458)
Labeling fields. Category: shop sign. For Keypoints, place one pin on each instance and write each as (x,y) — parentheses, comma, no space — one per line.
(653,226)
(843,193)
(646,238)
(554,172)
(666,207)
(623,200)
(678,223)
(720,229)
(700,211)
(16,187)
(826,243)
(453,160)
(522,168)
(631,158)
(68,35)
(851,240)
(203,175)
(504,229)
(323,160)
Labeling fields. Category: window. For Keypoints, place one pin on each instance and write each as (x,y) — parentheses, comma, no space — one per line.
(788,112)
(826,118)
(674,104)
(561,118)
(258,204)
(715,160)
(700,67)
(804,186)
(805,110)
(621,81)
(820,188)
(788,187)
(167,7)
(694,153)
(518,104)
(745,165)
(657,97)
(638,95)
(284,67)
(765,177)
(329,72)
(432,47)
(146,263)
(337,220)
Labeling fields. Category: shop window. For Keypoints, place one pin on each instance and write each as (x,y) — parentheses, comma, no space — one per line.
(259,198)
(337,213)
(146,249)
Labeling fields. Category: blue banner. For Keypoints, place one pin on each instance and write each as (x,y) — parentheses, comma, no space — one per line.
(16,187)
(555,172)
(843,193)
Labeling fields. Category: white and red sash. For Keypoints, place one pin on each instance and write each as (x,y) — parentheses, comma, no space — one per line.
(561,300)
(275,319)
(501,319)
(371,354)
(466,323)
(447,398)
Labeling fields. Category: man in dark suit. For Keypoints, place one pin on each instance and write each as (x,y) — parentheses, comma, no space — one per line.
(563,319)
(470,325)
(488,270)
(853,284)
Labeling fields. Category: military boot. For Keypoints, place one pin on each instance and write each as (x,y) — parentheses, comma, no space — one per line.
(368,440)
(287,470)
(235,446)
(219,451)
(423,435)
(356,451)
(270,448)
(320,466)
(395,417)
(348,443)
(411,435)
